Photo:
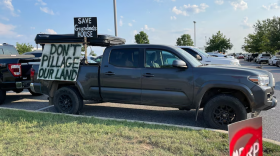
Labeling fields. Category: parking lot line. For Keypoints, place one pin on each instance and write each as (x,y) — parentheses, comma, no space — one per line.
(44,108)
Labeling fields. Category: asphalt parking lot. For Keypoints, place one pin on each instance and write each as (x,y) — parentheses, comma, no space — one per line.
(271,123)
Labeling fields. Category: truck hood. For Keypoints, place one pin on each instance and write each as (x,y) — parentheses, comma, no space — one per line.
(236,71)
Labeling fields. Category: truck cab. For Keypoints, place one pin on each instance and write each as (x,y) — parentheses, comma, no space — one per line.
(7,49)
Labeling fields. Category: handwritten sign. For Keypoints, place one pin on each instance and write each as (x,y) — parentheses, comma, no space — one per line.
(60,62)
(245,138)
(85,27)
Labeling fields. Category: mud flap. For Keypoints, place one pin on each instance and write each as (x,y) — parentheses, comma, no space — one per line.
(196,113)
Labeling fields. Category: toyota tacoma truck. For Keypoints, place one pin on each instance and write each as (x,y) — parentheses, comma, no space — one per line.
(14,71)
(166,76)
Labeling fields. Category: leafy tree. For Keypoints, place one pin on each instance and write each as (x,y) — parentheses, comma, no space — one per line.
(83,48)
(218,42)
(23,48)
(142,38)
(265,38)
(184,40)
(92,53)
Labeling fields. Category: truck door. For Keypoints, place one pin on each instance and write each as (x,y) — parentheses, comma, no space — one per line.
(120,76)
(163,84)
(1,51)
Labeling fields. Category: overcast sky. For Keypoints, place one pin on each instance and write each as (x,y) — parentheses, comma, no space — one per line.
(162,20)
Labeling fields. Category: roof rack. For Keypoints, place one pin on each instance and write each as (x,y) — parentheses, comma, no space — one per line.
(101,40)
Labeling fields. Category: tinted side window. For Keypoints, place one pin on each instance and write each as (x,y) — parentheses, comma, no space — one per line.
(193,53)
(124,58)
(159,59)
(9,50)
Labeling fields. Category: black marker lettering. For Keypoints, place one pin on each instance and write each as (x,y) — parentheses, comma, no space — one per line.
(45,58)
(55,49)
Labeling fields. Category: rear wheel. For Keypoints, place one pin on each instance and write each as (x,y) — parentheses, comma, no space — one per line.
(2,96)
(33,93)
(223,110)
(68,100)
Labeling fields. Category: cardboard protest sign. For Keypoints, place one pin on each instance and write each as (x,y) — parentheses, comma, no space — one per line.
(245,138)
(60,62)
(85,27)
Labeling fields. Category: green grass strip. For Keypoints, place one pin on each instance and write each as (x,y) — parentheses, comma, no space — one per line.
(32,133)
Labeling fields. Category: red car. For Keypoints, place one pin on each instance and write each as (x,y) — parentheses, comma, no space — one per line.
(240,57)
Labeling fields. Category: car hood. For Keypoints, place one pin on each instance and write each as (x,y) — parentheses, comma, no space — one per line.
(215,60)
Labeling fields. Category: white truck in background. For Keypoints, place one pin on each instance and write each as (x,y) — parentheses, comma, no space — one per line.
(207,59)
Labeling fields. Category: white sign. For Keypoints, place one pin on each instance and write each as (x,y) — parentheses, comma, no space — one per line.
(60,62)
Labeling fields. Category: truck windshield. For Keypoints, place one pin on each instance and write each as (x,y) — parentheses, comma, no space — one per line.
(190,58)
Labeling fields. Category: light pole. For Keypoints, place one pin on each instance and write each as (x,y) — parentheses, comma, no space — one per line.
(115,17)
(194,34)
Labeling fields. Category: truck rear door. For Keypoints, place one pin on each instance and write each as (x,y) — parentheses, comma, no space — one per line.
(120,76)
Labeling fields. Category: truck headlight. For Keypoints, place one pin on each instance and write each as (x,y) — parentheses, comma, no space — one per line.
(262,80)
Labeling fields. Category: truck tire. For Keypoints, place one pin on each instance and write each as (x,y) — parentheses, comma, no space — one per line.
(2,96)
(223,110)
(67,100)
(33,93)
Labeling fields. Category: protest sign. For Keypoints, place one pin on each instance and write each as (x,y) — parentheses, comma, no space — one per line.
(60,62)
(245,138)
(85,27)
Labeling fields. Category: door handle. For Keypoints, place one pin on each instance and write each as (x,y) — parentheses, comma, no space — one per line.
(109,73)
(148,75)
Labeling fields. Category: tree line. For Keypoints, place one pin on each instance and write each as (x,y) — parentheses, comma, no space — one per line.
(218,41)
(266,37)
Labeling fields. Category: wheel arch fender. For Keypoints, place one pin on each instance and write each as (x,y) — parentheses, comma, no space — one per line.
(222,84)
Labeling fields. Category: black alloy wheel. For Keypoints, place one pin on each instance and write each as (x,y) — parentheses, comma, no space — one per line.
(222,110)
(65,103)
(224,115)
(68,100)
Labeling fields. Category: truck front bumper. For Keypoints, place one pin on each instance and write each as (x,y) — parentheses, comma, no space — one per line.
(264,99)
(35,87)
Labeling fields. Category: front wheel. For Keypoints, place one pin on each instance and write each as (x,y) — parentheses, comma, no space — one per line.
(68,100)
(223,110)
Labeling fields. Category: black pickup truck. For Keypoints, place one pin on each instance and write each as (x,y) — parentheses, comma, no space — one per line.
(167,76)
(14,71)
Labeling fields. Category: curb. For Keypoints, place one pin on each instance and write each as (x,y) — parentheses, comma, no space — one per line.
(150,123)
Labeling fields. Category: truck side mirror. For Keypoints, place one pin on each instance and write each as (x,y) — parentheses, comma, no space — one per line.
(198,57)
(179,64)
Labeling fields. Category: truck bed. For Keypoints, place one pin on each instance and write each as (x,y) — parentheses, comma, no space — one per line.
(87,81)
(7,80)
